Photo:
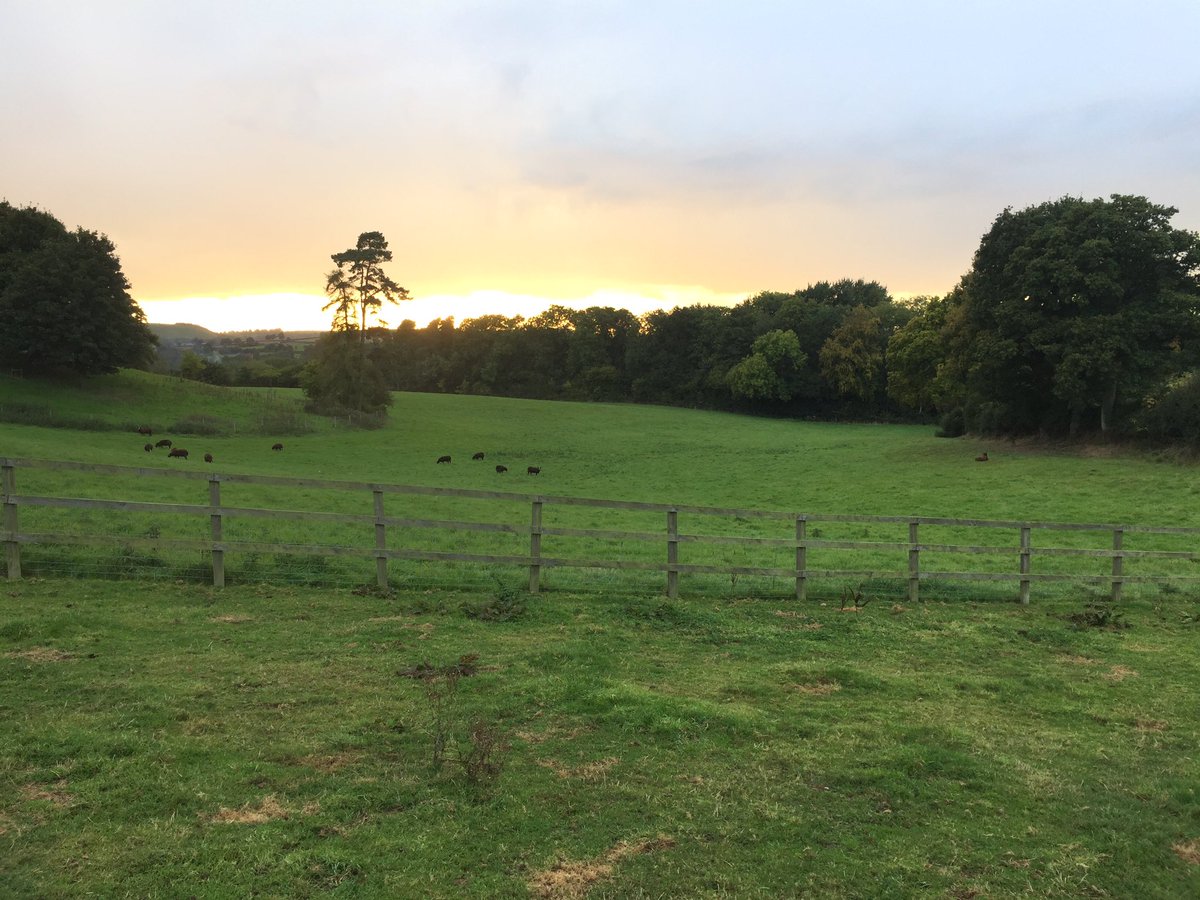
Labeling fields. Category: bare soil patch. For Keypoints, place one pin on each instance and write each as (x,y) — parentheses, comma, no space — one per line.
(819,688)
(327,762)
(56,797)
(1120,673)
(1188,851)
(1150,725)
(593,771)
(567,880)
(267,810)
(41,654)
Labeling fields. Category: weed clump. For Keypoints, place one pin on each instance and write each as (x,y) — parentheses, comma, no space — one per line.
(1099,614)
(476,746)
(505,606)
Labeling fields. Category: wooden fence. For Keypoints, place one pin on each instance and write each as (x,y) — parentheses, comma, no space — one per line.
(1020,547)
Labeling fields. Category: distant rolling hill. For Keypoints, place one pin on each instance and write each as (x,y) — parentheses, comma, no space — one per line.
(182,331)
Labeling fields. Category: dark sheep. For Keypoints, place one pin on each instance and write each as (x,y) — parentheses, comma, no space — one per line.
(477,456)
(208,457)
(501,468)
(145,429)
(534,470)
(982,457)
(148,447)
(179,453)
(277,446)
(163,443)
(443,459)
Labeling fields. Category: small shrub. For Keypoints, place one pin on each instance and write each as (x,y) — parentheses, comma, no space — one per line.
(503,607)
(476,747)
(952,425)
(1099,614)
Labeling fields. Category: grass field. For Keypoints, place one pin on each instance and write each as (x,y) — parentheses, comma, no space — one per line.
(267,742)
(462,739)
(599,450)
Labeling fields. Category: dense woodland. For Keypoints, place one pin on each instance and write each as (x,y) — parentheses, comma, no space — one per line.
(1076,317)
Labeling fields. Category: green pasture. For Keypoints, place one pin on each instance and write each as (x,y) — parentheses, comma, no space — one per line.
(613,451)
(301,733)
(276,742)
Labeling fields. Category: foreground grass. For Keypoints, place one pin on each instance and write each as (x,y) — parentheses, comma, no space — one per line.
(260,740)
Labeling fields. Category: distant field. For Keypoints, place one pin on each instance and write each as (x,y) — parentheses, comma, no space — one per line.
(612,451)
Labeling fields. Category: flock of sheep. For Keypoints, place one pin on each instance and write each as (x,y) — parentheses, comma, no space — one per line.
(531,470)
(173,451)
(181,453)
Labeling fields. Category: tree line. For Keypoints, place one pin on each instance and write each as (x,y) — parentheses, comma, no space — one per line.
(1076,316)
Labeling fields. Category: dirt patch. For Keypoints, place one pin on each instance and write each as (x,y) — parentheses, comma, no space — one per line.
(550,734)
(594,771)
(1188,851)
(41,654)
(1120,673)
(327,762)
(1150,725)
(1073,660)
(232,619)
(819,688)
(56,797)
(267,810)
(569,880)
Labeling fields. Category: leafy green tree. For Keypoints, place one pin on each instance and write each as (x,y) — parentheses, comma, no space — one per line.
(769,372)
(852,360)
(64,301)
(358,286)
(343,378)
(914,354)
(1073,311)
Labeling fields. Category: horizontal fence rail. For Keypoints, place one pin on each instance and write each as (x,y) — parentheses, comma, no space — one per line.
(803,538)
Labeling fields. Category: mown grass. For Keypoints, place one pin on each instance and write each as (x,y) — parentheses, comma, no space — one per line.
(266,741)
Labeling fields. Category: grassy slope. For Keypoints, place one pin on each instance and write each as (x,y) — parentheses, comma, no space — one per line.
(934,751)
(260,741)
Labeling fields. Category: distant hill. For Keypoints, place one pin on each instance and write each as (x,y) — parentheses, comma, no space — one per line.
(185,331)
(182,331)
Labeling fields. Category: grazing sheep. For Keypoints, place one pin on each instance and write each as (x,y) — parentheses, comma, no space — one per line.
(982,457)
(178,452)
(148,447)
(145,430)
(277,446)
(163,443)
(443,459)
(501,468)
(534,470)
(208,457)
(477,456)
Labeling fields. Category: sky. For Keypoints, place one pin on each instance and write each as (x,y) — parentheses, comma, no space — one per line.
(632,153)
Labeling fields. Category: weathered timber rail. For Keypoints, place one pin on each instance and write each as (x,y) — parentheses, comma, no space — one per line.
(1021,549)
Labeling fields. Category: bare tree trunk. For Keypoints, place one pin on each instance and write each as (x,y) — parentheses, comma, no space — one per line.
(1106,406)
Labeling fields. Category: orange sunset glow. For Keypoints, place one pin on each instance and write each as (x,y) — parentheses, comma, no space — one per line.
(636,155)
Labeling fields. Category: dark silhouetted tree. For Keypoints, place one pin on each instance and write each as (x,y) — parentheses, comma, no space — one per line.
(358,286)
(65,306)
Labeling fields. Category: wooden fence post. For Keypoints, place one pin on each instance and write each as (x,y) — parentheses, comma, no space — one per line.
(214,519)
(672,553)
(801,558)
(1118,561)
(1025,555)
(914,565)
(381,576)
(535,546)
(12,549)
